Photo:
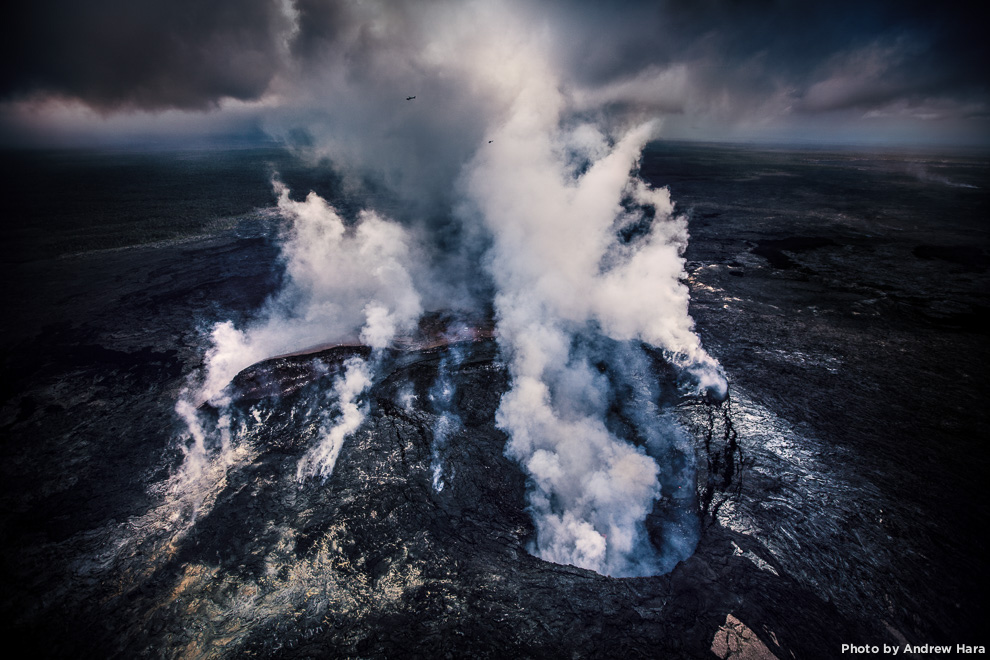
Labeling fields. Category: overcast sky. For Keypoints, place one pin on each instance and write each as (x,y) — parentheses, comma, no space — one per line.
(306,71)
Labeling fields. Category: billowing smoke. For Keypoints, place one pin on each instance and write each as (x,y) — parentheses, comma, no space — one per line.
(344,285)
(580,259)
(581,249)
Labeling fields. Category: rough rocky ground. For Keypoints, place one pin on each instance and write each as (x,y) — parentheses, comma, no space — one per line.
(849,511)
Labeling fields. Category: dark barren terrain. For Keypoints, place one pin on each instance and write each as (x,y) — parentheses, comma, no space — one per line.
(841,487)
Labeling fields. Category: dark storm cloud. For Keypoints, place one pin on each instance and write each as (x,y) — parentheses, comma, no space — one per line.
(142,53)
(715,61)
(860,55)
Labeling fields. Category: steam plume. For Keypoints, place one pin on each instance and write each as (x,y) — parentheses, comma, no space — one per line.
(320,460)
(344,284)
(556,202)
(582,266)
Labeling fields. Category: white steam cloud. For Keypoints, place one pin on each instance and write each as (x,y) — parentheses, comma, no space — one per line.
(582,258)
(344,284)
(556,202)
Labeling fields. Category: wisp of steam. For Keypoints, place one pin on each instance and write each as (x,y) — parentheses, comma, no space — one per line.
(441,398)
(584,264)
